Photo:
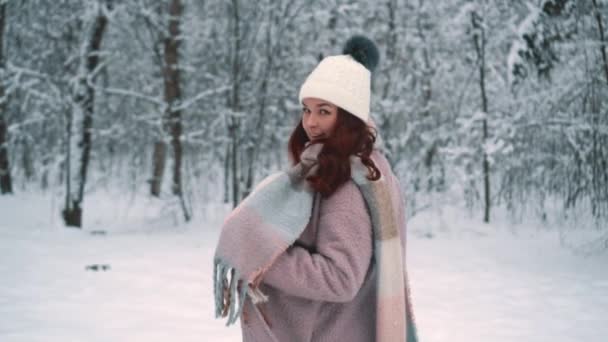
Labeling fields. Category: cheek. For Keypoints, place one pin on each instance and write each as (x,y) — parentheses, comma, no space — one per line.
(304,123)
(332,123)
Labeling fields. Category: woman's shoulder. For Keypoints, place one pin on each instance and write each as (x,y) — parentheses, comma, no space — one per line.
(347,196)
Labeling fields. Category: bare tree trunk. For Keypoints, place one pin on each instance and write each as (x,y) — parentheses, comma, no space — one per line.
(173,90)
(236,197)
(479,40)
(6,185)
(173,97)
(600,28)
(26,160)
(82,114)
(595,103)
(159,156)
(227,174)
(234,124)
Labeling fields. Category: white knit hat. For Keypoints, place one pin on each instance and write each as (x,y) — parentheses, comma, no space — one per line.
(345,80)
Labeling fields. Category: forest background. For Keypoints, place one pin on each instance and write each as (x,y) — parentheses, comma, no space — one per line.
(482,104)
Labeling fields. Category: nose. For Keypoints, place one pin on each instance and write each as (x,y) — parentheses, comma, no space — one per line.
(311,120)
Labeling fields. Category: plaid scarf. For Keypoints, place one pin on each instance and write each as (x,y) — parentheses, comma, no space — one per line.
(274,215)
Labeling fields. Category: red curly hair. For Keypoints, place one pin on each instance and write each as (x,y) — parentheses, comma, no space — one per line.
(351,136)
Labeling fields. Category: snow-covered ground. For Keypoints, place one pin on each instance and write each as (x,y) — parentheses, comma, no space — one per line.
(470,282)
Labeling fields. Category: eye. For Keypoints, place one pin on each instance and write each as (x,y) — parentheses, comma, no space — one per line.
(325,112)
(305,110)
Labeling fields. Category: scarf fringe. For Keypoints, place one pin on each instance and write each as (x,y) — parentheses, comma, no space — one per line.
(225,290)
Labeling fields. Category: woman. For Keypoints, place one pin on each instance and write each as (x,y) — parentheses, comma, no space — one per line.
(321,247)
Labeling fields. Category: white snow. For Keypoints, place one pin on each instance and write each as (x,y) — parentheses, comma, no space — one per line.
(470,282)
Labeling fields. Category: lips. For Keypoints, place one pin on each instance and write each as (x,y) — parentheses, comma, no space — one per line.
(316,135)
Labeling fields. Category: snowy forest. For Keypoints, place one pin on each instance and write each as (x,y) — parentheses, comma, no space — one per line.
(486,103)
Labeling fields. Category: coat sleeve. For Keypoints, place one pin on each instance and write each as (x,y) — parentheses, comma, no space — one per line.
(335,271)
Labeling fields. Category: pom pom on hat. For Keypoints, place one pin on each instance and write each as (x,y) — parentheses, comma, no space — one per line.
(363,50)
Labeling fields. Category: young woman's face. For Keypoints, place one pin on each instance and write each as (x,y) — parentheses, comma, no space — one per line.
(319,118)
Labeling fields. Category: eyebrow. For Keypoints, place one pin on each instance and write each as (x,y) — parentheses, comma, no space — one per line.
(319,105)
